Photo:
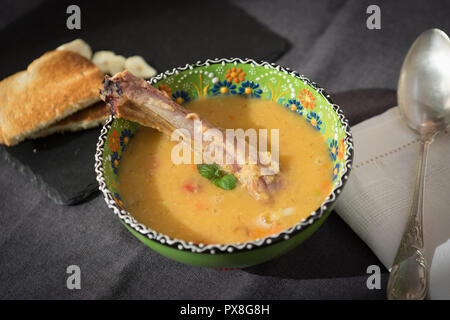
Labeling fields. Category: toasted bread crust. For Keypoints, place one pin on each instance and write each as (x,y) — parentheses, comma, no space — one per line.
(99,110)
(87,118)
(57,84)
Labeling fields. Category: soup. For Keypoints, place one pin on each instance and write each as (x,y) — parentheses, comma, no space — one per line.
(174,199)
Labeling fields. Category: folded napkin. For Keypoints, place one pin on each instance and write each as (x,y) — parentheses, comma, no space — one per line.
(376,200)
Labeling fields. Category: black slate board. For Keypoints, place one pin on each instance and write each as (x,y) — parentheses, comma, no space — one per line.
(61,165)
(166,34)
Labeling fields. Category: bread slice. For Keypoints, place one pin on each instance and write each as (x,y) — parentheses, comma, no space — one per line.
(54,86)
(87,118)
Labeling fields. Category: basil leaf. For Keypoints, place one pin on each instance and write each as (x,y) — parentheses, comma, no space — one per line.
(213,173)
(208,171)
(227,182)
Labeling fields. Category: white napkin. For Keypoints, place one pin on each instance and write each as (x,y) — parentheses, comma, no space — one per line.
(376,200)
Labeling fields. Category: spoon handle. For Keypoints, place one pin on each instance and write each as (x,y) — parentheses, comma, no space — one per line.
(409,275)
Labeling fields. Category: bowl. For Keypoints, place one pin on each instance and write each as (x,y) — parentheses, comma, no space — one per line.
(204,79)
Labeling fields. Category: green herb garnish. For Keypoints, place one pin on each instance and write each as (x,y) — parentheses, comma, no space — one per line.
(209,171)
(213,173)
(227,182)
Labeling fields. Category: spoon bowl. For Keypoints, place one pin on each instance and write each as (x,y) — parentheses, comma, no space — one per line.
(424,85)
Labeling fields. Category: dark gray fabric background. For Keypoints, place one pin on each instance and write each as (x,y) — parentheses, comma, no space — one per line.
(331,45)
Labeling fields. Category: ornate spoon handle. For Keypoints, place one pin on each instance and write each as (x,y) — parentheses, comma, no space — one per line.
(409,275)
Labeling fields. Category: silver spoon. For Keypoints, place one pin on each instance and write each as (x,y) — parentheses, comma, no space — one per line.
(424,100)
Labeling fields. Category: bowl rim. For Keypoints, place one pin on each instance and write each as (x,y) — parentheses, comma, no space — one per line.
(283,235)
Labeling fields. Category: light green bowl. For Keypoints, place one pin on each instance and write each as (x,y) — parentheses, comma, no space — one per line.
(256,80)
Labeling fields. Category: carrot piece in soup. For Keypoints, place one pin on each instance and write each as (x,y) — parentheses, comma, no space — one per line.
(199,205)
(192,187)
